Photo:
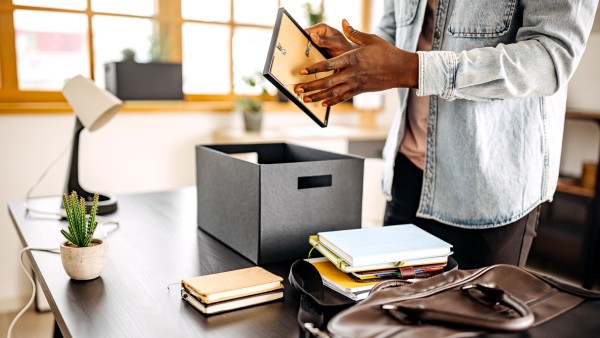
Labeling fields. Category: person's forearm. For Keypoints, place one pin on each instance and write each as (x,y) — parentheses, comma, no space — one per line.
(540,63)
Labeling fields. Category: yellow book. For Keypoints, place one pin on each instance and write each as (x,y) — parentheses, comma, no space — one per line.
(232,284)
(337,280)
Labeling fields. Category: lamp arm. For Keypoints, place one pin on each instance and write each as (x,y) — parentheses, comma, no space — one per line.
(73,174)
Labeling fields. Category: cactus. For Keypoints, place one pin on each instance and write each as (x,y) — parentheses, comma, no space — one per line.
(81,228)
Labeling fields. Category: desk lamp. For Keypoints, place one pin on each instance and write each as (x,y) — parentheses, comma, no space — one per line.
(93,107)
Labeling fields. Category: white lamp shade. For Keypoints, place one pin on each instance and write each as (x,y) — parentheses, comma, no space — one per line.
(93,105)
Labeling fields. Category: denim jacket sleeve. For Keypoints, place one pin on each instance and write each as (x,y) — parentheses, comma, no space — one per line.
(541,60)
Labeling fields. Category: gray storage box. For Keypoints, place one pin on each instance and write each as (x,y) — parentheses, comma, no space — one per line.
(266,210)
(144,81)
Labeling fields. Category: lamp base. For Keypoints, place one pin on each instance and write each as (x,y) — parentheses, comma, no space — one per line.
(106,204)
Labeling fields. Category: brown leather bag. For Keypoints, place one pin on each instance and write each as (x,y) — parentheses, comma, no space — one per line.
(498,300)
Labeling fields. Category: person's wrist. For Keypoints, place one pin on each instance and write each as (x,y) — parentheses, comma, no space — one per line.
(412,72)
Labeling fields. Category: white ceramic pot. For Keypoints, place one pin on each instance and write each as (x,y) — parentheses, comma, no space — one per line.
(83,263)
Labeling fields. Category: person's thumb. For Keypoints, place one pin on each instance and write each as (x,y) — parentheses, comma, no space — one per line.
(354,35)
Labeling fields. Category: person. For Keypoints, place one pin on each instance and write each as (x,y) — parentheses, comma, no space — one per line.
(475,147)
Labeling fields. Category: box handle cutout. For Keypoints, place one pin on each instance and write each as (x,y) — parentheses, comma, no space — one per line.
(308,182)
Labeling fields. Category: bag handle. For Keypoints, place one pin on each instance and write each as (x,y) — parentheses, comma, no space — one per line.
(492,295)
(314,311)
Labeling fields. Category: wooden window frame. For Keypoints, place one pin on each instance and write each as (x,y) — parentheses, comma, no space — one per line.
(168,15)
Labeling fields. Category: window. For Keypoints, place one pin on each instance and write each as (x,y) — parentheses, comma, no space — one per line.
(43,43)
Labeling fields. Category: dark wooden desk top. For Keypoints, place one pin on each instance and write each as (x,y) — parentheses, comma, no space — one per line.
(157,244)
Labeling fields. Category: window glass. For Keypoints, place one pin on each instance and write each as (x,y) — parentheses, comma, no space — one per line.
(350,10)
(296,10)
(133,7)
(51,47)
(205,58)
(250,48)
(206,10)
(334,11)
(65,4)
(112,35)
(258,12)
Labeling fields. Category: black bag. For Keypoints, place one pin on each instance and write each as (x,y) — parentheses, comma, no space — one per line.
(499,301)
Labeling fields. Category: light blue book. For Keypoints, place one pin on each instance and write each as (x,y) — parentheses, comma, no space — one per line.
(393,243)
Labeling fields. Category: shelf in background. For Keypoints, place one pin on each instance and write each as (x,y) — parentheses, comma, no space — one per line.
(570,186)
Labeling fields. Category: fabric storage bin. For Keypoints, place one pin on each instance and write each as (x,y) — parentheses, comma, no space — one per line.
(265,209)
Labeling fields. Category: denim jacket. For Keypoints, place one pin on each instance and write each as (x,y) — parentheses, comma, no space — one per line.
(497,80)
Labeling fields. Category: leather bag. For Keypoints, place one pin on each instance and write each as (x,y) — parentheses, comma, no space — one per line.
(500,301)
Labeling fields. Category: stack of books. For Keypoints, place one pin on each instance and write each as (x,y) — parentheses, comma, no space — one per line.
(231,290)
(357,259)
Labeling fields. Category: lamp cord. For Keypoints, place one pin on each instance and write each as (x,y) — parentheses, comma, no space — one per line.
(48,169)
(14,321)
(33,292)
(42,176)
(101,222)
(60,213)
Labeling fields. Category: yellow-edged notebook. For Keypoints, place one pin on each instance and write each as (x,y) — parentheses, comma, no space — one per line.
(232,284)
(333,275)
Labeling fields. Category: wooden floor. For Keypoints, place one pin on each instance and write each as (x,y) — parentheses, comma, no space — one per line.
(32,324)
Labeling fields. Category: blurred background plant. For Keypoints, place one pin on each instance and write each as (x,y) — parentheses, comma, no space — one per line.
(249,104)
(128,54)
(252,107)
(314,13)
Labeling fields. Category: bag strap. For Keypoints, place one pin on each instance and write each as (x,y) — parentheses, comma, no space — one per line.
(492,295)
(572,289)
(315,310)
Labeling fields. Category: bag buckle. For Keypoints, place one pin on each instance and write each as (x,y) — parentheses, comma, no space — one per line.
(314,331)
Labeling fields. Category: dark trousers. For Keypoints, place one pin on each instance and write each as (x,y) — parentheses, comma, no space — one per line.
(473,248)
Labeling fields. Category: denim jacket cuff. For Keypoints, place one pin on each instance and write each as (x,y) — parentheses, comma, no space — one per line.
(437,71)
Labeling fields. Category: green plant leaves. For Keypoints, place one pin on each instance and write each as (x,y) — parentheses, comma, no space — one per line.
(80,232)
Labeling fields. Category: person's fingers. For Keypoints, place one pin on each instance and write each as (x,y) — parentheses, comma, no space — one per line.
(330,43)
(354,35)
(319,84)
(334,63)
(328,88)
(321,29)
(333,95)
(316,39)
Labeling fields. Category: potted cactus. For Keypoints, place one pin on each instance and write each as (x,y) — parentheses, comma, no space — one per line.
(82,255)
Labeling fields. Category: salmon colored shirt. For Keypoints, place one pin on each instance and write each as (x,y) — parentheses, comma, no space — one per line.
(414,144)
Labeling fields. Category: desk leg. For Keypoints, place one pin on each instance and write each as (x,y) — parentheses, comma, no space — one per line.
(592,238)
(57,333)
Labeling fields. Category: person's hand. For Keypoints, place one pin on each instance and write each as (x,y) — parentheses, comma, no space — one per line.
(329,39)
(374,65)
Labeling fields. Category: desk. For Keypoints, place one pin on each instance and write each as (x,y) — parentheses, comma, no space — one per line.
(157,244)
(592,237)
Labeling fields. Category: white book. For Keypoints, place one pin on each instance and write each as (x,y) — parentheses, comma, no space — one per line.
(345,267)
(393,243)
